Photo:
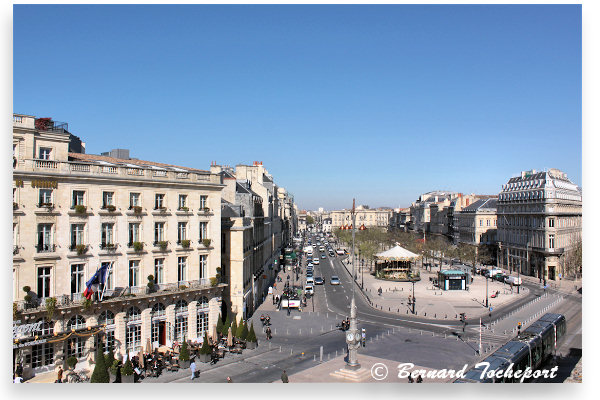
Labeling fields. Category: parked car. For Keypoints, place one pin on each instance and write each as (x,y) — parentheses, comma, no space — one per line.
(308,289)
(499,276)
(323,256)
(516,281)
(318,280)
(334,280)
(316,261)
(310,280)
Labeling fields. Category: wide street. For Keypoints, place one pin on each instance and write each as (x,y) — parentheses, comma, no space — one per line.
(306,338)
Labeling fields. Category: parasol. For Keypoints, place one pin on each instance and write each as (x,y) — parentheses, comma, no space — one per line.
(229,338)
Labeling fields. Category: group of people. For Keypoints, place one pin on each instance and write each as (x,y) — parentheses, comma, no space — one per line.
(411,380)
(345,325)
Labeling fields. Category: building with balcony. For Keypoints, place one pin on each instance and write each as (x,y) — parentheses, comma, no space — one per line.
(257,223)
(368,217)
(476,223)
(74,213)
(420,212)
(539,222)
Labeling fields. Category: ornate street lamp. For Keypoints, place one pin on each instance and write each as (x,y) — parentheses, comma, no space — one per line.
(352,334)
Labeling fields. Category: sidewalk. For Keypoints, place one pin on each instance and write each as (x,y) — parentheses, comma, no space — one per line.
(432,302)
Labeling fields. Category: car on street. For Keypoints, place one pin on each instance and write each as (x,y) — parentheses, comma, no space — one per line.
(334,280)
(309,265)
(310,280)
(316,261)
(308,289)
(499,276)
(318,280)
(323,256)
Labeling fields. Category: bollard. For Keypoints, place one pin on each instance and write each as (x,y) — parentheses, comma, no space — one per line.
(446,317)
(425,314)
(321,354)
(280,349)
(336,353)
(291,351)
(276,331)
(421,333)
(311,331)
(300,331)
(327,356)
(435,315)
(314,357)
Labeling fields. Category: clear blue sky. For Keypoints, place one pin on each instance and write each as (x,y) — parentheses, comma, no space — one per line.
(380,103)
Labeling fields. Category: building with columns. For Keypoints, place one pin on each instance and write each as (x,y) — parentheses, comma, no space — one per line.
(369,217)
(74,213)
(539,222)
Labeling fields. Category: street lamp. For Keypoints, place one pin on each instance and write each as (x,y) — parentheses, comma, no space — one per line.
(414,299)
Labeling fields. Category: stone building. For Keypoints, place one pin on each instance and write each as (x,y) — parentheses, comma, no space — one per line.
(539,222)
(74,213)
(420,211)
(476,223)
(369,217)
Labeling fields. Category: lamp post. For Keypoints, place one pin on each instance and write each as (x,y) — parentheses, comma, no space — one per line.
(414,299)
(352,334)
(486,291)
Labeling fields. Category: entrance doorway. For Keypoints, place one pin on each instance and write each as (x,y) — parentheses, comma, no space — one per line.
(162,333)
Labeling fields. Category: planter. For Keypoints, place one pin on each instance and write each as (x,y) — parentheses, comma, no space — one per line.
(127,378)
(111,377)
(203,358)
(184,364)
(251,345)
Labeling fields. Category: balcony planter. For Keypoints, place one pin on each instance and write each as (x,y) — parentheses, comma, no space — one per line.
(79,209)
(108,246)
(184,209)
(49,206)
(110,208)
(137,209)
(205,358)
(206,242)
(162,245)
(161,209)
(251,345)
(214,281)
(185,244)
(206,209)
(15,206)
(138,246)
(81,249)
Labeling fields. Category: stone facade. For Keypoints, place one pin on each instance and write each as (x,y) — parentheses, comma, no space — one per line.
(476,223)
(539,222)
(74,213)
(369,217)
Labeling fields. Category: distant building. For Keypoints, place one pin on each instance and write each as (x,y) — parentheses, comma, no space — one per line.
(420,211)
(476,223)
(365,216)
(539,222)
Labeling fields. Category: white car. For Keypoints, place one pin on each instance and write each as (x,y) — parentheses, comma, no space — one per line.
(310,281)
(334,280)
(310,264)
(316,261)
(308,289)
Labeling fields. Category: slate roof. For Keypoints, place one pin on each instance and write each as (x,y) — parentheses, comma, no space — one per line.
(141,163)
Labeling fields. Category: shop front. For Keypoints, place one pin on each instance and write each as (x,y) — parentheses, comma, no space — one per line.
(452,280)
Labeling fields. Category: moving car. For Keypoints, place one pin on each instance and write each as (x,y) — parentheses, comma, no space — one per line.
(316,261)
(334,280)
(308,289)
(318,280)
(323,256)
(513,279)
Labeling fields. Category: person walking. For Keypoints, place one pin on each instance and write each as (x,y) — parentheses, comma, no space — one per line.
(410,379)
(284,377)
(193,369)
(419,379)
(59,375)
(229,380)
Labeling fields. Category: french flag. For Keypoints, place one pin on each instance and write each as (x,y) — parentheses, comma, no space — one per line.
(98,278)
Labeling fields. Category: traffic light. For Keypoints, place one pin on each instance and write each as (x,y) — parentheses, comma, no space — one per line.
(519,328)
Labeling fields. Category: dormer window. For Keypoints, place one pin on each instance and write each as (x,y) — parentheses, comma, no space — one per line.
(45,153)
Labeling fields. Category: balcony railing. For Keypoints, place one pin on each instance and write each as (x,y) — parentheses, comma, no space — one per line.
(108,246)
(46,248)
(91,168)
(15,250)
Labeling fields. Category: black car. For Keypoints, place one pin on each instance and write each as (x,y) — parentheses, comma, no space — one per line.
(318,280)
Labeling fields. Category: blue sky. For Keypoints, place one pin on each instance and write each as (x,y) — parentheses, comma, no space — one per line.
(380,103)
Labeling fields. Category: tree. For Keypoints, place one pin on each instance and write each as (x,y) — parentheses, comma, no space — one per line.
(251,335)
(239,333)
(100,374)
(245,331)
(310,220)
(184,352)
(205,349)
(220,324)
(234,327)
(226,326)
(109,358)
(127,368)
(573,260)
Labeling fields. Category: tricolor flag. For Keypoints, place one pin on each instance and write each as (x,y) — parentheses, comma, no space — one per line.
(98,278)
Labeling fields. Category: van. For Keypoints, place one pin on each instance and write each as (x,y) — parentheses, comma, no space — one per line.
(491,272)
(310,280)
(514,280)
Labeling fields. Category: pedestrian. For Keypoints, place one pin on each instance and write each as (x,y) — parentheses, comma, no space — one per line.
(193,369)
(18,379)
(284,377)
(419,379)
(410,379)
(59,375)
(229,380)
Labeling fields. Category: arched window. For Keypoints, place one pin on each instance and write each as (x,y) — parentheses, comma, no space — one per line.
(106,318)
(76,322)
(202,304)
(133,315)
(181,307)
(159,310)
(47,326)
(202,318)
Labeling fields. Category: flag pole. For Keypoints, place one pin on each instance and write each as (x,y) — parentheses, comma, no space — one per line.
(105,278)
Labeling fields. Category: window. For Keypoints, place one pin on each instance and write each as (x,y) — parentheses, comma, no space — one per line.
(181,269)
(159,231)
(134,272)
(45,153)
(159,310)
(550,222)
(133,315)
(480,222)
(76,322)
(202,320)
(77,235)
(110,277)
(77,274)
(45,238)
(42,355)
(107,234)
(45,198)
(159,201)
(182,201)
(134,200)
(159,270)
(550,241)
(134,233)
(108,339)
(181,231)
(181,320)
(107,199)
(134,338)
(106,318)
(203,230)
(203,202)
(203,267)
(78,198)
(488,222)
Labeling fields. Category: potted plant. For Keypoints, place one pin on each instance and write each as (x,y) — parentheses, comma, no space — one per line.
(251,341)
(213,281)
(137,209)
(206,242)
(205,351)
(100,374)
(87,303)
(184,355)
(206,209)
(15,311)
(111,208)
(72,362)
(185,244)
(184,208)
(127,372)
(220,324)
(79,209)
(163,245)
(244,335)
(50,307)
(114,370)
(150,283)
(81,249)
(138,246)
(226,326)
(234,327)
